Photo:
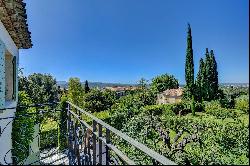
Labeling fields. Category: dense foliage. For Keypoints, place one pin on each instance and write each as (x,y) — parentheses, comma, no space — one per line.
(214,137)
(41,88)
(34,89)
(164,82)
(23,128)
(242,103)
(75,92)
(189,132)
(97,100)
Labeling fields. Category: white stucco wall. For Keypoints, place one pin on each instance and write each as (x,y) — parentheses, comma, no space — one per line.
(5,138)
(7,40)
(6,45)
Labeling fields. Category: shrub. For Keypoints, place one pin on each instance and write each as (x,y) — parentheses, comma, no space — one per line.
(242,103)
(223,113)
(182,108)
(221,141)
(158,110)
(49,134)
(97,100)
(104,115)
(49,139)
(214,104)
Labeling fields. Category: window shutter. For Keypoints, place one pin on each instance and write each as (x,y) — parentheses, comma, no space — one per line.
(14,78)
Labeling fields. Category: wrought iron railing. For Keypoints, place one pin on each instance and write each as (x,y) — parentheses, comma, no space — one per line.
(83,139)
(94,153)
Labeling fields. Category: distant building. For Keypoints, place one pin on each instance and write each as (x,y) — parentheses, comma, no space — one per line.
(170,96)
(121,91)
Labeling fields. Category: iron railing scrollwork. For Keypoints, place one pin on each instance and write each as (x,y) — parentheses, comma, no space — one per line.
(88,140)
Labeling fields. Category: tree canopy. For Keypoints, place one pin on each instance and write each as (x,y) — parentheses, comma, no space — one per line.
(164,82)
(41,88)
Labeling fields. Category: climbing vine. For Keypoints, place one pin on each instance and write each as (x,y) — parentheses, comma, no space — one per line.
(22,129)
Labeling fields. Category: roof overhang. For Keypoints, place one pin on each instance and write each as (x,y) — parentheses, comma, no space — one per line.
(14,18)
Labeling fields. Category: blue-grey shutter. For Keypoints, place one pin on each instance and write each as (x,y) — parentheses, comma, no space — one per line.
(14,78)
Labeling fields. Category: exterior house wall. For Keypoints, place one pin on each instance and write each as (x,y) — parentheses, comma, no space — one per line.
(170,100)
(178,99)
(5,138)
(162,99)
(7,46)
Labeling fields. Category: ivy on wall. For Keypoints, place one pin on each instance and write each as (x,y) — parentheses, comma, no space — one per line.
(22,129)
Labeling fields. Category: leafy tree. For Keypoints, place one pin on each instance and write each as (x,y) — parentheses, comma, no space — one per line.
(189,64)
(97,100)
(242,103)
(41,88)
(86,87)
(75,92)
(164,82)
(143,83)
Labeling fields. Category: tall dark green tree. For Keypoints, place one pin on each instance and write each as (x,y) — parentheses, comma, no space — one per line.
(189,65)
(214,74)
(208,77)
(211,84)
(86,87)
(200,81)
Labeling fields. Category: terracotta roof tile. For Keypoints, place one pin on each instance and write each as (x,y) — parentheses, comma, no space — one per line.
(173,92)
(14,18)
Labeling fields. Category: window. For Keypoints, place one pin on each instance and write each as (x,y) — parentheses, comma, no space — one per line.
(10,77)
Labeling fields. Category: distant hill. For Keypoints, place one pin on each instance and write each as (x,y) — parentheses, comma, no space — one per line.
(64,84)
(235,84)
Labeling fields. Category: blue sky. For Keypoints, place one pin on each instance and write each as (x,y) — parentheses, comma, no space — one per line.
(124,40)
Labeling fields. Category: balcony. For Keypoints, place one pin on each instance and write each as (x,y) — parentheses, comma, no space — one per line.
(82,138)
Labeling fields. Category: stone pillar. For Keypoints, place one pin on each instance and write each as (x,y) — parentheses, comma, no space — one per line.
(2,75)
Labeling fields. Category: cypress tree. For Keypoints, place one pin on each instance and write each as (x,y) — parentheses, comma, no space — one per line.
(189,65)
(214,76)
(200,80)
(86,87)
(207,77)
